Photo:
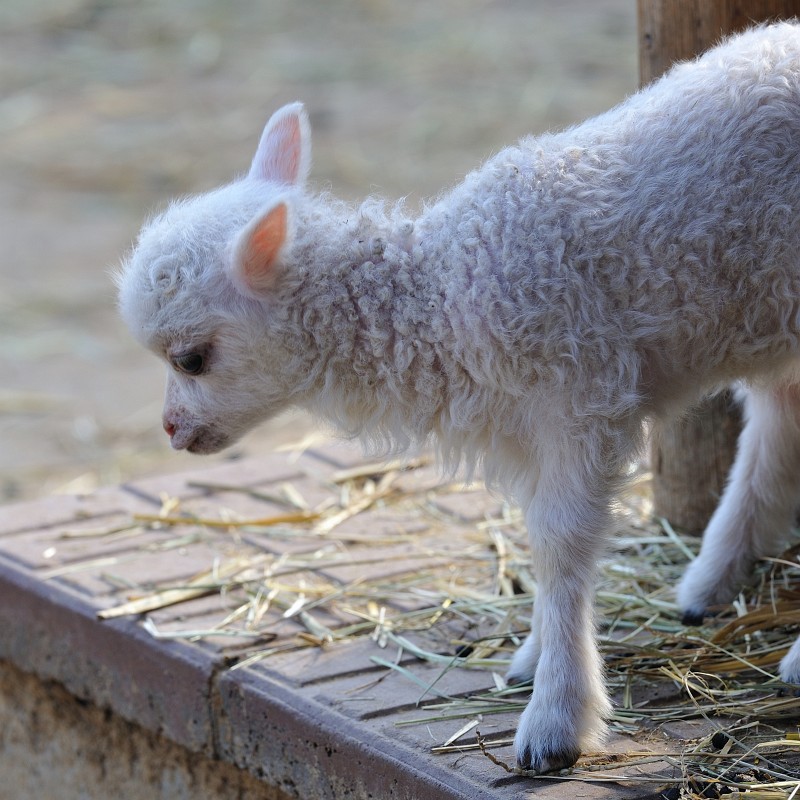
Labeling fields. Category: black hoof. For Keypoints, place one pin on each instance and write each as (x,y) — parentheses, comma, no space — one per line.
(719,740)
(692,619)
(542,763)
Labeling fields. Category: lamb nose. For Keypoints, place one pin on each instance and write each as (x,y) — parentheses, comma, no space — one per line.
(169,428)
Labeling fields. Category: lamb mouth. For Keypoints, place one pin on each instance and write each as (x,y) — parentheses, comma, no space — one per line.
(207,442)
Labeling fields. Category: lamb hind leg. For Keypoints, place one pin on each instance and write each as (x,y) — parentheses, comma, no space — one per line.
(790,664)
(757,506)
(526,659)
(566,712)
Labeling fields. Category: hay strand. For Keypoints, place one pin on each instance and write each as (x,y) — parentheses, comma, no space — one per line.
(454,592)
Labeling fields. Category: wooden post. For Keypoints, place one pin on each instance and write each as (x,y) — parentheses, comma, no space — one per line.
(675,30)
(691,457)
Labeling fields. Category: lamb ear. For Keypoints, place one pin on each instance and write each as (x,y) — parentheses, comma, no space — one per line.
(284,152)
(256,260)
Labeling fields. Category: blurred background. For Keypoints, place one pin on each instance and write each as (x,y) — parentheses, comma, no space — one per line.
(110,107)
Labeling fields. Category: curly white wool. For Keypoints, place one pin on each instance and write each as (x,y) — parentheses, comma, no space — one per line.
(528,321)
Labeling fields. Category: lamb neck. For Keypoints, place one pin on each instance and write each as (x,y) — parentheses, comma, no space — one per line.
(377,304)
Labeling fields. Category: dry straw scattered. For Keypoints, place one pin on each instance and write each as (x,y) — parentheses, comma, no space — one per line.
(442,586)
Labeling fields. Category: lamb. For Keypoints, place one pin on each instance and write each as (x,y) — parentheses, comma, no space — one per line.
(528,322)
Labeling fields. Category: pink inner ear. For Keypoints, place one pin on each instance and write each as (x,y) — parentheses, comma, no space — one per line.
(288,131)
(262,248)
(281,152)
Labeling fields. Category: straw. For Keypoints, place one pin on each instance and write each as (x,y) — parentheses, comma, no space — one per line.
(455,592)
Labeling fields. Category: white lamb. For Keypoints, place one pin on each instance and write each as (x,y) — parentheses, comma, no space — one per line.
(529,321)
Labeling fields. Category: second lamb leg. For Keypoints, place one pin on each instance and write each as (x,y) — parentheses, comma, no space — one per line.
(757,506)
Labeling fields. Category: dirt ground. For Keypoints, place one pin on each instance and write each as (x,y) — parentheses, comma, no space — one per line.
(109,107)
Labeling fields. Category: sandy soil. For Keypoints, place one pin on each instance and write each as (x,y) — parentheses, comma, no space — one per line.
(109,107)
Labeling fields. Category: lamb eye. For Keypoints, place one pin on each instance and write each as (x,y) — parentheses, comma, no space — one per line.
(191,363)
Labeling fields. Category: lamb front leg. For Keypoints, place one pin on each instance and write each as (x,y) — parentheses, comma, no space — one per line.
(566,523)
(757,507)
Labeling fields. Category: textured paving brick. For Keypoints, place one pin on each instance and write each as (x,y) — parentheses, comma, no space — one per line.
(64,510)
(247,472)
(71,542)
(49,631)
(298,741)
(470,506)
(310,717)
